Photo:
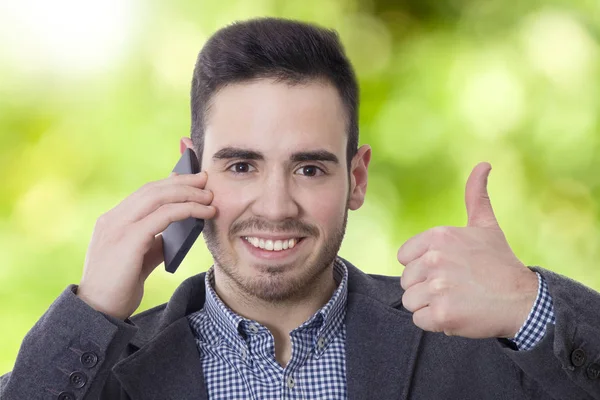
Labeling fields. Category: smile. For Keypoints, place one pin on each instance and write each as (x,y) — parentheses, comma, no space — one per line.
(272,245)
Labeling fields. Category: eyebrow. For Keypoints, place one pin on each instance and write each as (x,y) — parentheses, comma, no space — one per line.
(317,155)
(228,153)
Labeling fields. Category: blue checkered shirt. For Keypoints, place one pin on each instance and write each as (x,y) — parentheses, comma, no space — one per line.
(238,354)
(541,314)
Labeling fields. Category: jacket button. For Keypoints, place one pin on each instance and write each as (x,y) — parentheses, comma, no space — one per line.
(593,371)
(89,359)
(77,379)
(66,396)
(578,357)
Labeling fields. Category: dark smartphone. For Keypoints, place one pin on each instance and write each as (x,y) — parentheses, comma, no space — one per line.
(179,236)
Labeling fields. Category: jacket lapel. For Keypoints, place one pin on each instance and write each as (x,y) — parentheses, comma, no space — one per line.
(381,340)
(381,345)
(168,367)
(167,364)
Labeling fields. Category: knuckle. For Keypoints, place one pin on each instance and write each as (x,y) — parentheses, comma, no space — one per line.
(148,186)
(442,316)
(440,232)
(193,209)
(168,190)
(189,194)
(441,235)
(438,286)
(204,196)
(448,322)
(102,220)
(146,191)
(168,210)
(434,258)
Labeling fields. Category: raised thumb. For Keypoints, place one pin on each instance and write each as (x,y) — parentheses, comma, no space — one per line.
(479,208)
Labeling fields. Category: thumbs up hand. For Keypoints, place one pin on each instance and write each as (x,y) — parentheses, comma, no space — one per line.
(466,281)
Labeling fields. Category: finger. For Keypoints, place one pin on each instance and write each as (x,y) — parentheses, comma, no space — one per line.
(167,195)
(423,318)
(195,180)
(160,219)
(414,273)
(152,196)
(414,248)
(416,297)
(479,207)
(153,258)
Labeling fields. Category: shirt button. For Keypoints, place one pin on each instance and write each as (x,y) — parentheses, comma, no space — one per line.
(89,359)
(253,328)
(77,379)
(290,382)
(66,396)
(593,371)
(244,354)
(578,357)
(321,342)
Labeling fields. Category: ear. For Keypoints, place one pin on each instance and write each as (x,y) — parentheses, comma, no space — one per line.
(185,143)
(358,177)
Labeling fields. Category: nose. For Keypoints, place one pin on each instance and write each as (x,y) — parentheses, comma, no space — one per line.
(275,201)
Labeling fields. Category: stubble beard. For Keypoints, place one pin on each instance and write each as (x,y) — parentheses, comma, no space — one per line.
(273,284)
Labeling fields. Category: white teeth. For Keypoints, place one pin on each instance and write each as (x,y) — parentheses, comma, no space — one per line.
(271,245)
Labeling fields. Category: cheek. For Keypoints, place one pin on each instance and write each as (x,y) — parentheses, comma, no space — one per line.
(228,202)
(225,200)
(327,207)
(228,195)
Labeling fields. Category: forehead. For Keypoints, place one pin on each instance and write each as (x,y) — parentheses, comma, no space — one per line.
(276,118)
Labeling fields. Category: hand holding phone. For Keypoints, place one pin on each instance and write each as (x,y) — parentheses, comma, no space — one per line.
(127,243)
(179,237)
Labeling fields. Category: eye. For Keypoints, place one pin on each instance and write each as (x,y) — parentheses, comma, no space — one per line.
(310,170)
(240,168)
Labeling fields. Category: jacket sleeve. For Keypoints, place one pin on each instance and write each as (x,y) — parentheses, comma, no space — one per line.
(68,354)
(566,362)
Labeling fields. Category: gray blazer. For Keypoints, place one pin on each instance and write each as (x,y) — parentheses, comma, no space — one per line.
(75,352)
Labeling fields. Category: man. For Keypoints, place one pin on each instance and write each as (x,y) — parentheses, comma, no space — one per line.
(279,315)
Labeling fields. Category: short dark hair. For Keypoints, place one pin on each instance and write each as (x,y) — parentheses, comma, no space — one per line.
(285,50)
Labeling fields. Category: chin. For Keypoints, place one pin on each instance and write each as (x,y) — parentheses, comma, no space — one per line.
(273,283)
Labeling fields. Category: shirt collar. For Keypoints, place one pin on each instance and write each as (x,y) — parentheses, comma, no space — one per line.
(328,319)
(226,322)
(325,323)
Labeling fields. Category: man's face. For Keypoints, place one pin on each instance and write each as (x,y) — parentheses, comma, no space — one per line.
(276,161)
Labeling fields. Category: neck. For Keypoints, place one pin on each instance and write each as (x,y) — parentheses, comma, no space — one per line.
(279,317)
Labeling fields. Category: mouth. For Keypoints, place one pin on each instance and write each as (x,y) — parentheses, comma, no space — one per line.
(272,248)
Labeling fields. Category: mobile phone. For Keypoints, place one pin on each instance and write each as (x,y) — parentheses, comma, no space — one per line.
(179,236)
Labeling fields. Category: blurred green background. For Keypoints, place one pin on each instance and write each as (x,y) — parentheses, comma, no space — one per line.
(94,99)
